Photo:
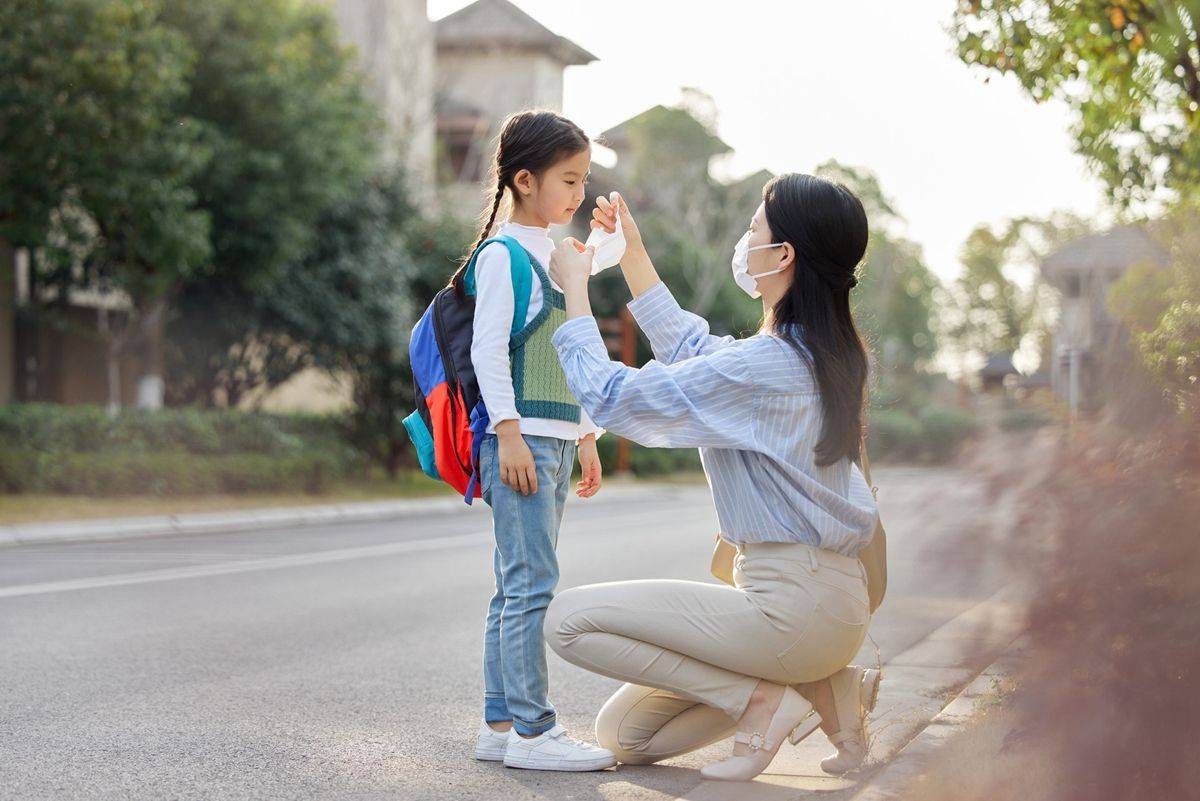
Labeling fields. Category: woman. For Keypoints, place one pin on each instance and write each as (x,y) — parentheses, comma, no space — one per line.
(777,417)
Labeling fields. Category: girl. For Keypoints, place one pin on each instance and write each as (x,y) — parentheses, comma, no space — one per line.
(535,426)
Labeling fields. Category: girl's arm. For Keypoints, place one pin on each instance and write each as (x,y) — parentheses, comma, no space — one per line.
(494,306)
(490,334)
(674,334)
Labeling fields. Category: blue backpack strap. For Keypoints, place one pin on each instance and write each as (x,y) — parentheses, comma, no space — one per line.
(522,277)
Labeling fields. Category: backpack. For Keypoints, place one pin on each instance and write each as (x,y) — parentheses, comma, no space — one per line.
(451,418)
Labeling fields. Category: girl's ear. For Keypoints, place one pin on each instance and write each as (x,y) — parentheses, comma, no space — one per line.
(523,181)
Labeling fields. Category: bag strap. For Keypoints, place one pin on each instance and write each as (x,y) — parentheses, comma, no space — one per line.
(522,279)
(865,465)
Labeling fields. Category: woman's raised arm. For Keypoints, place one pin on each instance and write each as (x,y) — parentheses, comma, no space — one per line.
(674,334)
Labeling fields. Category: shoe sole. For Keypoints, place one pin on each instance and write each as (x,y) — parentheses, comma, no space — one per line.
(599,763)
(486,755)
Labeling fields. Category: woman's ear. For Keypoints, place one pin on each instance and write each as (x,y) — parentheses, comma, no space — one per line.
(787,256)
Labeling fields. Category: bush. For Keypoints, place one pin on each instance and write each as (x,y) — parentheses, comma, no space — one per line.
(934,434)
(648,461)
(1021,418)
(165,474)
(186,451)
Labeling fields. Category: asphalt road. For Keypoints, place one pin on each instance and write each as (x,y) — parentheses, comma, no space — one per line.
(344,661)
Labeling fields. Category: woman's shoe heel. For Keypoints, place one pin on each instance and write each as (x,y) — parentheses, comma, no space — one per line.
(794,714)
(806,727)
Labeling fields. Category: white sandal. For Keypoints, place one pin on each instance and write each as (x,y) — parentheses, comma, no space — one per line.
(794,719)
(855,691)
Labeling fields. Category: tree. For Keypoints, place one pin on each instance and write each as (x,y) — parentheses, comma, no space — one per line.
(1130,70)
(895,298)
(96,158)
(998,304)
(292,137)
(1161,307)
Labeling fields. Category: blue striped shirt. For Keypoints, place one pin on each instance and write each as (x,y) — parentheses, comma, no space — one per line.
(750,405)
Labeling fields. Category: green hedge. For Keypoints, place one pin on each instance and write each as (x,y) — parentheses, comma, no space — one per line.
(648,461)
(83,450)
(933,434)
(1023,418)
(89,429)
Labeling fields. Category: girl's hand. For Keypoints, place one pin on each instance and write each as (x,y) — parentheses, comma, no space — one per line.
(589,463)
(571,264)
(605,216)
(517,469)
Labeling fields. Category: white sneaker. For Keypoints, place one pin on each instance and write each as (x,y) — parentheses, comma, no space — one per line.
(554,750)
(490,744)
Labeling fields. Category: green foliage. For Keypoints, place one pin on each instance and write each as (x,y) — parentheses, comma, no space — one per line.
(999,304)
(648,461)
(166,474)
(82,449)
(1161,307)
(282,112)
(895,303)
(96,156)
(51,428)
(1128,69)
(932,434)
(1023,418)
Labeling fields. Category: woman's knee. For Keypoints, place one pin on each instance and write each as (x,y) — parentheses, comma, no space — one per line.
(557,627)
(614,733)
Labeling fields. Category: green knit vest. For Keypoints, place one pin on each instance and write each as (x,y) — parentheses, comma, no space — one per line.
(539,383)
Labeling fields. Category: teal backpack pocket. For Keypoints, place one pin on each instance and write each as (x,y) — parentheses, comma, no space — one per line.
(422,441)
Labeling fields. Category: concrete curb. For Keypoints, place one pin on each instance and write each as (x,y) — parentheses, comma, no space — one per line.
(251,519)
(910,762)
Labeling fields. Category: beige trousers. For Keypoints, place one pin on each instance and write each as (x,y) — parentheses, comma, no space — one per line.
(692,653)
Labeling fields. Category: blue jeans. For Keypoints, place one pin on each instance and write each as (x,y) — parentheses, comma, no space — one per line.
(526,567)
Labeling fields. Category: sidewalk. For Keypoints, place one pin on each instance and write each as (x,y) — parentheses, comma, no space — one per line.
(255,519)
(934,682)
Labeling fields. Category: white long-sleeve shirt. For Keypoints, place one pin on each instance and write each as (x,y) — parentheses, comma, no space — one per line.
(494,308)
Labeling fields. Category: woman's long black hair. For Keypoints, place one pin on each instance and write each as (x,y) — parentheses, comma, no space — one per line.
(532,140)
(826,225)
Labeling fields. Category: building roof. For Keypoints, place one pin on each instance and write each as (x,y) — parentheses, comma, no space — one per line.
(498,23)
(1109,252)
(998,365)
(617,137)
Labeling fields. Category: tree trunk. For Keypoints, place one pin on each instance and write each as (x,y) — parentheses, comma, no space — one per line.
(112,362)
(153,332)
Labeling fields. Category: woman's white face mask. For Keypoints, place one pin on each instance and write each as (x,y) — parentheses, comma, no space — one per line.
(741,265)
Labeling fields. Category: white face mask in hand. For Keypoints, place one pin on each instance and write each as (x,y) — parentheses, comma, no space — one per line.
(741,265)
(609,247)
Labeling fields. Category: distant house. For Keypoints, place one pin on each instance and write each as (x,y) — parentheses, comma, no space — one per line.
(996,370)
(492,59)
(1082,272)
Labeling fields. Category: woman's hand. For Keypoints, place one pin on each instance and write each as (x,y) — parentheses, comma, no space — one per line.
(589,464)
(517,468)
(636,266)
(605,216)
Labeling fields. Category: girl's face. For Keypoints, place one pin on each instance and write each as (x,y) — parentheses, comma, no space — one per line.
(555,196)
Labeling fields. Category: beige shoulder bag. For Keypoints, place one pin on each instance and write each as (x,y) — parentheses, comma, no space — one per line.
(873,555)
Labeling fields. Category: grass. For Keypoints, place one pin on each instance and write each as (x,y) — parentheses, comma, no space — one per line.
(47,508)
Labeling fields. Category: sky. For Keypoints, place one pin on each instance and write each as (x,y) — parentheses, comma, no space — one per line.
(873,84)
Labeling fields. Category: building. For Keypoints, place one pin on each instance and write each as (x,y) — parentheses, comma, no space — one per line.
(1082,272)
(394,42)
